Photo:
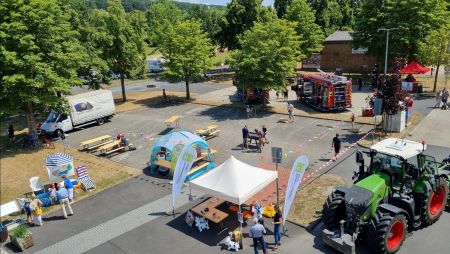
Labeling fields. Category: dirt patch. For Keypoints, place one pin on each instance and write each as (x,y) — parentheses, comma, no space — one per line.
(146,99)
(308,203)
(17,167)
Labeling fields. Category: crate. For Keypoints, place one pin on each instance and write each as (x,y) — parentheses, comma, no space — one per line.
(24,243)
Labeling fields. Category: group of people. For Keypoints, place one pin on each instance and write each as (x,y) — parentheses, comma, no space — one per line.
(63,195)
(285,94)
(442,99)
(259,137)
(257,231)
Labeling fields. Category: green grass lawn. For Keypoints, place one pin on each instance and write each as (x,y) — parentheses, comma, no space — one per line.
(219,58)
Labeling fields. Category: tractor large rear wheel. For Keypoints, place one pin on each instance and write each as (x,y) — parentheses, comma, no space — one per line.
(386,233)
(434,203)
(333,210)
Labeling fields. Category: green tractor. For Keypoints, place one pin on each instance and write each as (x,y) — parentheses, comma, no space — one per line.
(401,190)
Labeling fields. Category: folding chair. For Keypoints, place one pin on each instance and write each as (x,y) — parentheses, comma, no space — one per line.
(85,179)
(35,184)
(11,208)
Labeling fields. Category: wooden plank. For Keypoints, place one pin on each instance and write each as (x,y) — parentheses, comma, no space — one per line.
(99,145)
(163,163)
(193,170)
(172,119)
(94,140)
(108,146)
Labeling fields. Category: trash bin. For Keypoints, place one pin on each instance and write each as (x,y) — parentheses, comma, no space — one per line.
(420,89)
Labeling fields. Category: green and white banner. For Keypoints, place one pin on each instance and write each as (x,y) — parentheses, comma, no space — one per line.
(184,164)
(298,170)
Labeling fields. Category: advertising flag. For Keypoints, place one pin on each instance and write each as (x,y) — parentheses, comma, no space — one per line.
(184,164)
(298,170)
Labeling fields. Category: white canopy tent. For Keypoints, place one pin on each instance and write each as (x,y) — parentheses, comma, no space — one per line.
(234,181)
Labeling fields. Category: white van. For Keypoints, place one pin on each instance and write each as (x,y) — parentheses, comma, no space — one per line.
(96,106)
(154,66)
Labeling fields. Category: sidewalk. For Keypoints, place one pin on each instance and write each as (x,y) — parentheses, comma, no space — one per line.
(226,98)
(434,129)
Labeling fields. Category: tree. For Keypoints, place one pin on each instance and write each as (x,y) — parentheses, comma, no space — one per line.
(188,52)
(39,56)
(333,15)
(161,16)
(126,52)
(269,53)
(210,19)
(435,50)
(310,33)
(281,7)
(414,20)
(239,17)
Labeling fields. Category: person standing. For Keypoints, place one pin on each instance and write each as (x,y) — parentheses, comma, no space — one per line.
(277,94)
(165,99)
(69,186)
(439,99)
(36,210)
(11,133)
(257,232)
(276,227)
(248,110)
(336,143)
(286,94)
(353,120)
(63,197)
(445,95)
(290,110)
(360,83)
(245,137)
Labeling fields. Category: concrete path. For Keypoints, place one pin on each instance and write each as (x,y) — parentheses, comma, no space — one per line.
(434,129)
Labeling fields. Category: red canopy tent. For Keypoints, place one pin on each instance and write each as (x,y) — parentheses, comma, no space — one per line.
(414,68)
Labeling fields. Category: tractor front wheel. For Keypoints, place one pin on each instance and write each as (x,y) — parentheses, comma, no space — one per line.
(434,203)
(333,210)
(386,233)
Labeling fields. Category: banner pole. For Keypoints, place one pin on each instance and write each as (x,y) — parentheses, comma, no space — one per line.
(278,197)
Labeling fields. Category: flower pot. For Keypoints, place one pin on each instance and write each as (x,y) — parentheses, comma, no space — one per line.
(3,234)
(23,243)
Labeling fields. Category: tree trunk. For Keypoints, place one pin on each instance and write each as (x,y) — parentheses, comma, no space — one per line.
(436,77)
(122,84)
(31,122)
(188,94)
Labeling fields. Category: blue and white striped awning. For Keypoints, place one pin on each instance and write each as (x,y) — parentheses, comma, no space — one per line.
(58,159)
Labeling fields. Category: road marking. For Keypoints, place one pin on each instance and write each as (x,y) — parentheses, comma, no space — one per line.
(100,234)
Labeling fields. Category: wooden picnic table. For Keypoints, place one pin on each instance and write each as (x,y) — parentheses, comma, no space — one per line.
(91,142)
(213,214)
(205,155)
(109,146)
(173,119)
(209,131)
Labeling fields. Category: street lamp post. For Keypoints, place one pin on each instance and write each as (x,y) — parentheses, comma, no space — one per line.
(387,46)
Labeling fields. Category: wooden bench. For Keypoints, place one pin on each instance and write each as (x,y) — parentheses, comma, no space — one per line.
(88,143)
(99,145)
(197,168)
(173,119)
(125,148)
(105,148)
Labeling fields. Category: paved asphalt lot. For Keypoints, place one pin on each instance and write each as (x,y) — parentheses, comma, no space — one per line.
(166,234)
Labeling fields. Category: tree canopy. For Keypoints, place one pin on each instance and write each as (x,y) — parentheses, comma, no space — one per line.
(161,16)
(435,49)
(414,20)
(188,51)
(39,56)
(281,7)
(239,17)
(310,33)
(333,15)
(210,19)
(269,53)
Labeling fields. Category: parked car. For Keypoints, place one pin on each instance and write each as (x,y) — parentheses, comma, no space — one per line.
(154,66)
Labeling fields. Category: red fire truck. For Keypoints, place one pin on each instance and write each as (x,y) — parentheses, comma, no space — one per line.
(327,92)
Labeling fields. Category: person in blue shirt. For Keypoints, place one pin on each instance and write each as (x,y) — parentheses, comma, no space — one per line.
(69,186)
(245,137)
(63,196)
(257,232)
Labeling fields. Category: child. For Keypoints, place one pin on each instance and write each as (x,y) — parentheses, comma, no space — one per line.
(27,209)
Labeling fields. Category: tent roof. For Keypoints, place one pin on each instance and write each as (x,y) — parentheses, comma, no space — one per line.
(234,181)
(414,68)
(169,141)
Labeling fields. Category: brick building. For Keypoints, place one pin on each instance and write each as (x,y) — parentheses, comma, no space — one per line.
(338,53)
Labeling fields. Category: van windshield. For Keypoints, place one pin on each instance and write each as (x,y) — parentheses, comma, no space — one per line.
(52,117)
